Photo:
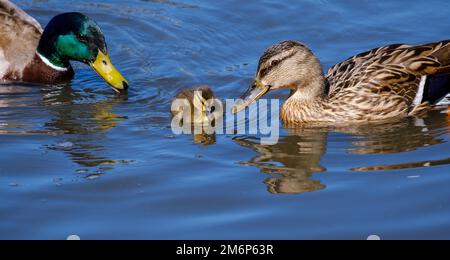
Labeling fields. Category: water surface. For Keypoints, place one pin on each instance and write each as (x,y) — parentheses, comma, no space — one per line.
(77,159)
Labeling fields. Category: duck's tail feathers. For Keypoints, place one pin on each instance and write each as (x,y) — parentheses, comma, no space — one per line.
(445,102)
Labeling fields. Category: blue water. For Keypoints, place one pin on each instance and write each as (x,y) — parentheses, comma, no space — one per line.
(77,159)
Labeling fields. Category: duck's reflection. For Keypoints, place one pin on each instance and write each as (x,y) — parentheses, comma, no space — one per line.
(77,118)
(83,124)
(295,158)
(398,137)
(18,106)
(298,155)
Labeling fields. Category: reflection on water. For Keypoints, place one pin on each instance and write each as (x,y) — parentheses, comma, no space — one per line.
(204,139)
(297,156)
(404,166)
(294,159)
(14,98)
(399,137)
(84,124)
(82,121)
(70,116)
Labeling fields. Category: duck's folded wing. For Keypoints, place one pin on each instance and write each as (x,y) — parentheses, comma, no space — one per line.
(418,74)
(19,38)
(351,71)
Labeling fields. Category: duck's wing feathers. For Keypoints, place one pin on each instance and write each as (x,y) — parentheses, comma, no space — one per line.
(19,37)
(349,72)
(405,71)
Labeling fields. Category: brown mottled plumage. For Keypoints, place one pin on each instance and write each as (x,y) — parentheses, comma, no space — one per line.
(16,27)
(381,84)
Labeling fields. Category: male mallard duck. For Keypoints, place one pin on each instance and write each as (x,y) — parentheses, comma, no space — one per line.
(384,83)
(30,54)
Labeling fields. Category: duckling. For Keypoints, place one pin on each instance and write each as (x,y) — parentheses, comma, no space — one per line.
(382,84)
(196,99)
(30,54)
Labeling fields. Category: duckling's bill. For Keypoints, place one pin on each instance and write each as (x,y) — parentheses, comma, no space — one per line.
(255,92)
(104,67)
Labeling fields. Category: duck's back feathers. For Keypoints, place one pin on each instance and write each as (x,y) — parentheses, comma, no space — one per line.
(416,74)
(19,38)
(11,9)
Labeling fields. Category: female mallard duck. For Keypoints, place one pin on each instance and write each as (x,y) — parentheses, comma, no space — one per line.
(384,83)
(30,54)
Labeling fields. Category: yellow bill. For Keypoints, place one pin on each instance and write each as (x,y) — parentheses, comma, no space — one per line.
(104,67)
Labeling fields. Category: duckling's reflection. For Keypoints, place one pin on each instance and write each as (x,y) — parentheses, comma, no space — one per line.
(84,124)
(297,156)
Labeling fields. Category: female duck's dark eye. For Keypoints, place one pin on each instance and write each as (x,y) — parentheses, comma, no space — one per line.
(274,63)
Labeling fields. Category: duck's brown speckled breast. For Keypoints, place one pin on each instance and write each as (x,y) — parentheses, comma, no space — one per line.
(39,72)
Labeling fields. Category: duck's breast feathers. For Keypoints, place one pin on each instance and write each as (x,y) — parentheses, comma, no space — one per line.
(394,70)
(19,38)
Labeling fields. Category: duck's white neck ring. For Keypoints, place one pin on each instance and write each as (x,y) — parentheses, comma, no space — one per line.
(51,65)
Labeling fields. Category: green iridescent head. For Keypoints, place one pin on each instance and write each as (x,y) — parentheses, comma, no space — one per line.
(74,36)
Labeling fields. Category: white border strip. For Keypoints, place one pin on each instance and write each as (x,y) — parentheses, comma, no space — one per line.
(48,63)
(419,97)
